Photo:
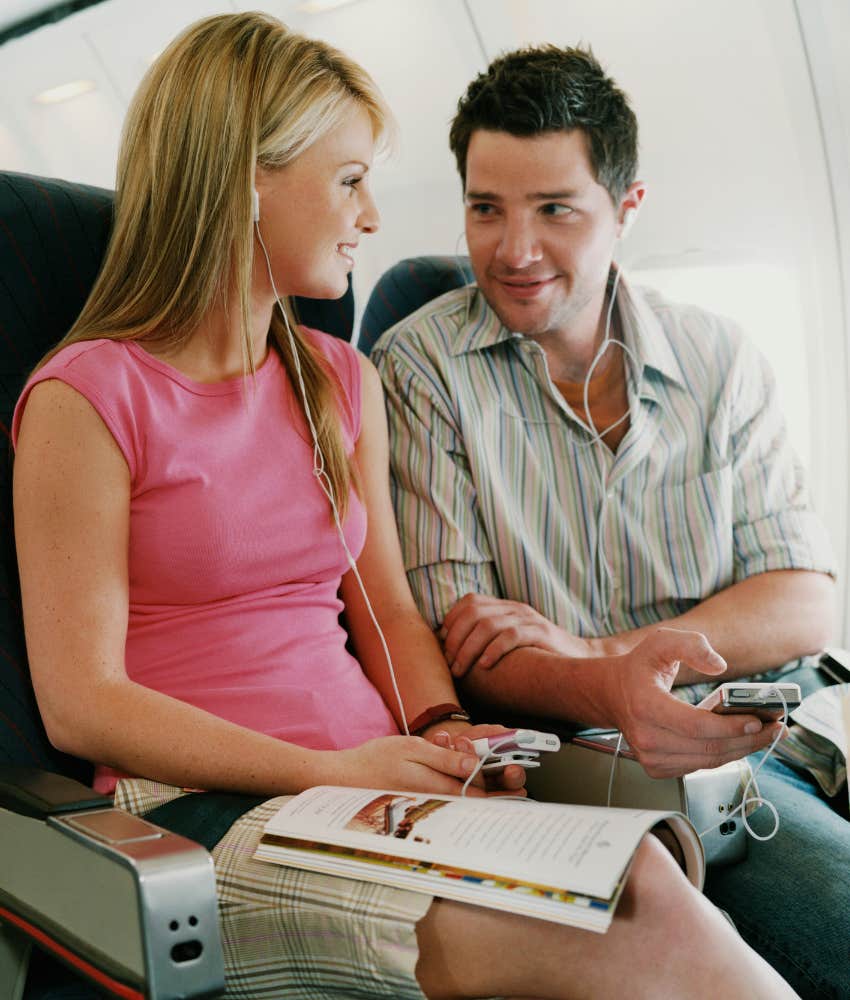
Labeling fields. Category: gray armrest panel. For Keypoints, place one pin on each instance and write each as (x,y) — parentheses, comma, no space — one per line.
(32,792)
(129,899)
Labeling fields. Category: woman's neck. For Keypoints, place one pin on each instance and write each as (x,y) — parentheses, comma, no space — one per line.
(215,351)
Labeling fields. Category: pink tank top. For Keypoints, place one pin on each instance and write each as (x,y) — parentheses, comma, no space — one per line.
(234,561)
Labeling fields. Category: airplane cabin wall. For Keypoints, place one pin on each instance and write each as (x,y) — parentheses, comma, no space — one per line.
(744,110)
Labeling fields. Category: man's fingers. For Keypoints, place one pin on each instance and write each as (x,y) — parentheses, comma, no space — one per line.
(478,629)
(507,640)
(667,765)
(667,647)
(663,753)
(706,749)
(492,639)
(667,712)
(469,606)
(473,646)
(455,636)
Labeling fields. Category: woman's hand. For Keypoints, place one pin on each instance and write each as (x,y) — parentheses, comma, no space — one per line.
(459,736)
(406,764)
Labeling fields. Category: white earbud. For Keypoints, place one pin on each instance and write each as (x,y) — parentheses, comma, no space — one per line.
(629,217)
(255,201)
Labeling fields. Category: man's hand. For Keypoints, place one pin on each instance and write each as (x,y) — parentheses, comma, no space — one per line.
(669,737)
(459,736)
(479,630)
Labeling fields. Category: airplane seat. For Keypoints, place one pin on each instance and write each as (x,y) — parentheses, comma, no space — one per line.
(52,237)
(89,884)
(406,286)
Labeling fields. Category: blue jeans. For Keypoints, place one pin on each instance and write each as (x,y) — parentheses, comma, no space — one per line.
(790,898)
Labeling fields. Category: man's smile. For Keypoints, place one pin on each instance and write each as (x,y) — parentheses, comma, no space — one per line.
(525,288)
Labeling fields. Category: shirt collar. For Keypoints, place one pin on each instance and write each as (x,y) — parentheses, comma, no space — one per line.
(641,328)
(482,328)
(644,333)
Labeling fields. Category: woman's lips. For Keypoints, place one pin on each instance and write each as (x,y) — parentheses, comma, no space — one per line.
(343,250)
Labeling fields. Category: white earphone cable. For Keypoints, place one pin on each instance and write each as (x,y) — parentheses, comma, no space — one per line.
(327,488)
(747,801)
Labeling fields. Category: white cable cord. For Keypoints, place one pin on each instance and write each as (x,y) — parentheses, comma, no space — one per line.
(327,488)
(613,769)
(601,565)
(483,760)
(757,800)
(746,799)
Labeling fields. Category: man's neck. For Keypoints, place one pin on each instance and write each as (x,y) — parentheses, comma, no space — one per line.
(570,351)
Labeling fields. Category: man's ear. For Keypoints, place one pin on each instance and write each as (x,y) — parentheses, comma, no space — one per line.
(630,206)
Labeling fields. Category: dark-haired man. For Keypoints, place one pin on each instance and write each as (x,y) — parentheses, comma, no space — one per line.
(587,525)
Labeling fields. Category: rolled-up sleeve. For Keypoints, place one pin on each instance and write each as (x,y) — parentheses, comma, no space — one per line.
(774,526)
(446,550)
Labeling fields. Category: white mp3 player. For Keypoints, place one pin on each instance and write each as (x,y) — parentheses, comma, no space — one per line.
(515,746)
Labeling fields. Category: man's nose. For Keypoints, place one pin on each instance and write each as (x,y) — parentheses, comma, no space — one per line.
(519,246)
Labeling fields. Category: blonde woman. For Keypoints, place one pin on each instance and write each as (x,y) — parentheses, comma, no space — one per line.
(180,563)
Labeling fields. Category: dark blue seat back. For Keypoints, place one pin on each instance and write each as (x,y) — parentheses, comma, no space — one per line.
(52,237)
(405,287)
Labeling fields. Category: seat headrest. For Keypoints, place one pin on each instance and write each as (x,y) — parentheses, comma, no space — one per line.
(405,287)
(52,238)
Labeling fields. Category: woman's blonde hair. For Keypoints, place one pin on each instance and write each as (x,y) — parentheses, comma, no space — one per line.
(231,93)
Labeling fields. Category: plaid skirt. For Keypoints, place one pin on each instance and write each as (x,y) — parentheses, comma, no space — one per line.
(291,933)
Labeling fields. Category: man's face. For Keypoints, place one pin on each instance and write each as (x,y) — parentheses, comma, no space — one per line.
(540,229)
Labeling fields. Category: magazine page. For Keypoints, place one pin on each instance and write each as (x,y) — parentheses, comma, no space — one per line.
(822,713)
(581,850)
(818,741)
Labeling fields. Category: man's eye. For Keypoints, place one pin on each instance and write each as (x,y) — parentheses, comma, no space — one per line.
(481,208)
(554,208)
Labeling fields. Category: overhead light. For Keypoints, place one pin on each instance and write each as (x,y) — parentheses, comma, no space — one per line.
(319,6)
(64,92)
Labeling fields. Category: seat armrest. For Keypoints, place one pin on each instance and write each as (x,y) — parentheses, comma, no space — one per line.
(33,792)
(126,903)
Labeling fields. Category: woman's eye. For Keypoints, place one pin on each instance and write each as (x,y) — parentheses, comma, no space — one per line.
(352,182)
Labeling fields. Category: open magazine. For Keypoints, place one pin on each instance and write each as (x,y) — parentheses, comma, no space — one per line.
(557,862)
(818,737)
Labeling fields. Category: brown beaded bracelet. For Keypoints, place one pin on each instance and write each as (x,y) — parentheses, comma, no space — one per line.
(437,713)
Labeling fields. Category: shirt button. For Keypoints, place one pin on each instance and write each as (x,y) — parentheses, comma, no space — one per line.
(610,494)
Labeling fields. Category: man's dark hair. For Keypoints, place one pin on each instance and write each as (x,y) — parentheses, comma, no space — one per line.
(548,89)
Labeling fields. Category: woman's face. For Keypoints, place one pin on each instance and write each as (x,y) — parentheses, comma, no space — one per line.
(314,210)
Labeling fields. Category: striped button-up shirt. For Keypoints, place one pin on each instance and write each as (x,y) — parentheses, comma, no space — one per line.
(500,488)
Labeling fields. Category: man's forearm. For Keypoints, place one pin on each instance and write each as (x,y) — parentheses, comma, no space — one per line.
(759,623)
(532,680)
